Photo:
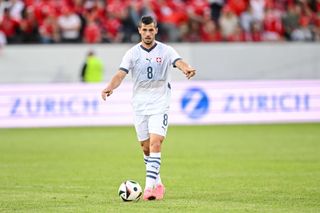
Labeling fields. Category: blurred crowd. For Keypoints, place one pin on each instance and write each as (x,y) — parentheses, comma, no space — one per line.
(114,21)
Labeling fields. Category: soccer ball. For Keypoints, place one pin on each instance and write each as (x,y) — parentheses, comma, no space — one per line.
(130,190)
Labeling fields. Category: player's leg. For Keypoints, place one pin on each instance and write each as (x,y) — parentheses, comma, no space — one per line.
(154,159)
(155,163)
(145,145)
(141,126)
(158,125)
(149,192)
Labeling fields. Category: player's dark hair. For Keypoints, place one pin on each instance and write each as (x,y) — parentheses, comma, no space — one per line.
(147,20)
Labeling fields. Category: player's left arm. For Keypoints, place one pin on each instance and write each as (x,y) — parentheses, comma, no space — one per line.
(187,69)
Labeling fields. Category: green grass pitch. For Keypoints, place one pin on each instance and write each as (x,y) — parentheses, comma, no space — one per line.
(232,168)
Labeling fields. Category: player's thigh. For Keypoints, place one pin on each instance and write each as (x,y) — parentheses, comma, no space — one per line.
(141,126)
(158,124)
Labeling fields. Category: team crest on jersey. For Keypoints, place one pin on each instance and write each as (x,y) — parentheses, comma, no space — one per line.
(159,60)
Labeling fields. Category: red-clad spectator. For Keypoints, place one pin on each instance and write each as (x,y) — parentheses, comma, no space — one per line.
(238,6)
(198,10)
(29,2)
(172,12)
(77,6)
(111,28)
(92,32)
(281,4)
(269,3)
(42,9)
(170,15)
(49,31)
(91,13)
(317,6)
(29,27)
(272,25)
(101,9)
(117,8)
(306,9)
(317,20)
(10,27)
(210,32)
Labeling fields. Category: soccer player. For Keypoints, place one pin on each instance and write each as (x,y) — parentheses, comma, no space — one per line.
(149,62)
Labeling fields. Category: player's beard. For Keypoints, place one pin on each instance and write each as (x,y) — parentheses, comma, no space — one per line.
(148,41)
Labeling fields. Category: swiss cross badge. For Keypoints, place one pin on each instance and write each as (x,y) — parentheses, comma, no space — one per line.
(158,60)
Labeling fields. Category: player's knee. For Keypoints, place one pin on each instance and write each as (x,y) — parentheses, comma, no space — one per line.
(155,146)
(155,142)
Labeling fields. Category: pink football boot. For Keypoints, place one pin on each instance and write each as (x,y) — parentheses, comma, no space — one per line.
(149,194)
(159,191)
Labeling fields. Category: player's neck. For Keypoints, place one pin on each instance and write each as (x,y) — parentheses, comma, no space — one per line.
(148,46)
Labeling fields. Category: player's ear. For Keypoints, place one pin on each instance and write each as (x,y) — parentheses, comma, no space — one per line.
(156,30)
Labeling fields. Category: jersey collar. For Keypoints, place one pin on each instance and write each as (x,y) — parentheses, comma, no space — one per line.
(151,48)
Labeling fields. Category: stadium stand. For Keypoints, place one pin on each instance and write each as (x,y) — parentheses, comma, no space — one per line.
(115,21)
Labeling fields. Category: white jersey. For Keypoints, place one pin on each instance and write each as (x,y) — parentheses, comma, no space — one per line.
(149,70)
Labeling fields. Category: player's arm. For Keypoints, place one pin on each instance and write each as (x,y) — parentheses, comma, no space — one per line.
(188,70)
(113,84)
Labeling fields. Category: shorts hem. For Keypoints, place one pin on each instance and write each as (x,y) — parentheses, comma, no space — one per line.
(157,133)
(140,140)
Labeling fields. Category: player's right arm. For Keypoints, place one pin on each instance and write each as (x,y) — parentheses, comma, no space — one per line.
(113,84)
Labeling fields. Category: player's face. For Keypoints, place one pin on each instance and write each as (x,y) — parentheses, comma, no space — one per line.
(148,33)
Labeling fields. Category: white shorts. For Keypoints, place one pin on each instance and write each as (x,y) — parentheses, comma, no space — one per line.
(146,124)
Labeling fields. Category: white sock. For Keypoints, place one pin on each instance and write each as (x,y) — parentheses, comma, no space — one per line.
(153,169)
(158,180)
(145,157)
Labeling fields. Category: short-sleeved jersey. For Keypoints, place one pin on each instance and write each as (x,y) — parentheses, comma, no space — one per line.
(150,74)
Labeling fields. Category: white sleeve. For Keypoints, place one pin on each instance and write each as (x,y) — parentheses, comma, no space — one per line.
(126,63)
(174,56)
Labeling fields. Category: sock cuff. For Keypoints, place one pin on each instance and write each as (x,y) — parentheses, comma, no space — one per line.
(155,154)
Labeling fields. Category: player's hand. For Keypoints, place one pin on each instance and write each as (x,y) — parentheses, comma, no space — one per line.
(105,93)
(190,72)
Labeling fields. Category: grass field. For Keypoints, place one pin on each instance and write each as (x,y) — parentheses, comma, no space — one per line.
(240,168)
